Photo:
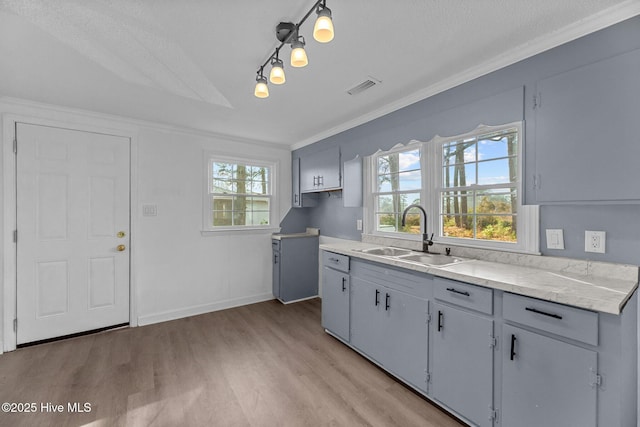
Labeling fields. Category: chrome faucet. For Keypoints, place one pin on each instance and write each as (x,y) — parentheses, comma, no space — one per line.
(426,240)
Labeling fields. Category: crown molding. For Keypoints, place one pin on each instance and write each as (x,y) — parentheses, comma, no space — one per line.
(591,24)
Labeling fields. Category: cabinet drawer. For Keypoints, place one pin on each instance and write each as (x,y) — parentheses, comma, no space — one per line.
(275,244)
(570,322)
(463,294)
(337,261)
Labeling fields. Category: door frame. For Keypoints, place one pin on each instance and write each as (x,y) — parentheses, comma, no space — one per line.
(8,337)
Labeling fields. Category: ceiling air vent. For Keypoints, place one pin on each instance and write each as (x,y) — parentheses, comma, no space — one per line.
(359,88)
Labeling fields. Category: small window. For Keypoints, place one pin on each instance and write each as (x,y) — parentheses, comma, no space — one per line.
(239,194)
(398,184)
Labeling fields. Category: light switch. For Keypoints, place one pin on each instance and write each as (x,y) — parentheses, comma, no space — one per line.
(149,210)
(555,239)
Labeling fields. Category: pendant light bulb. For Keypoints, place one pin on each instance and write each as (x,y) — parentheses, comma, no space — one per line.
(323,28)
(298,54)
(262,90)
(277,72)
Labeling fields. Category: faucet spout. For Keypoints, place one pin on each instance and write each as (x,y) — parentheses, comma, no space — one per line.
(426,241)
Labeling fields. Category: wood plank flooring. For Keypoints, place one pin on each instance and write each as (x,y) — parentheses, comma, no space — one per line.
(264,364)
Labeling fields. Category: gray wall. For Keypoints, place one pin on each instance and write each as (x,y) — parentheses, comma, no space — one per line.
(459,109)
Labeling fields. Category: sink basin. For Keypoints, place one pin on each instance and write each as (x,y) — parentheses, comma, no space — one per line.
(387,251)
(432,259)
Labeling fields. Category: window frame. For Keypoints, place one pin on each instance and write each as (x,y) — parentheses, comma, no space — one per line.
(432,185)
(207,208)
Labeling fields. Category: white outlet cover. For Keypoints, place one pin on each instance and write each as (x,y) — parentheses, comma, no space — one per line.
(555,239)
(595,241)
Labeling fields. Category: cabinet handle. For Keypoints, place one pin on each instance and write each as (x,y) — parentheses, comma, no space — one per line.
(314,181)
(295,199)
(334,260)
(455,291)
(440,317)
(513,346)
(387,299)
(320,180)
(533,310)
(377,297)
(275,258)
(344,288)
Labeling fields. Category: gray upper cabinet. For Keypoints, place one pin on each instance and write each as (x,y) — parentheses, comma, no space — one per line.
(587,134)
(296,195)
(320,171)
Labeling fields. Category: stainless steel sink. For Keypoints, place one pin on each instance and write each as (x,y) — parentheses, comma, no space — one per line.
(387,251)
(431,259)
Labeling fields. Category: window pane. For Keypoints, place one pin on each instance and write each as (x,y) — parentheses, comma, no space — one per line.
(496,172)
(492,149)
(387,222)
(387,183)
(459,175)
(496,202)
(222,218)
(223,186)
(457,203)
(463,152)
(408,199)
(223,170)
(460,226)
(410,180)
(496,227)
(412,222)
(259,187)
(386,204)
(409,160)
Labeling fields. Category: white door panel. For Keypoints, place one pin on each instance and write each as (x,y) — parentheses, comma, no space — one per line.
(72,202)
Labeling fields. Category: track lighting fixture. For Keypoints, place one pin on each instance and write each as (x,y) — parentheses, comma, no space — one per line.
(288,33)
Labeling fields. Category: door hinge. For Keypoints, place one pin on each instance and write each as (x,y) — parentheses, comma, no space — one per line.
(537,101)
(596,379)
(427,377)
(428,318)
(493,342)
(493,414)
(15,325)
(15,145)
(15,236)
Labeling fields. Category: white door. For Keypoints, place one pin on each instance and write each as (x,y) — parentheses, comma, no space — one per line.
(73,231)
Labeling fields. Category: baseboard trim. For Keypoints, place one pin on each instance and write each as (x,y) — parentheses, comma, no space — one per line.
(201,309)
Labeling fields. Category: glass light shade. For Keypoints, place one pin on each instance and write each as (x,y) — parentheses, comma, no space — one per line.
(277,73)
(298,55)
(262,91)
(323,28)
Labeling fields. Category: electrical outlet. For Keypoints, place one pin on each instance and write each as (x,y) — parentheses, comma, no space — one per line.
(594,241)
(359,224)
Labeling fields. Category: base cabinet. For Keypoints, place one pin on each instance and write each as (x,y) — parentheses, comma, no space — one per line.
(547,382)
(462,363)
(335,302)
(391,327)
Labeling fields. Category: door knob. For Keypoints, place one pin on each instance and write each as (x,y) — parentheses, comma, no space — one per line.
(121,248)
(121,234)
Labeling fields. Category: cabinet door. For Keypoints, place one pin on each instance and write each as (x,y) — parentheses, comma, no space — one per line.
(546,382)
(328,162)
(586,134)
(367,321)
(296,200)
(309,174)
(462,364)
(335,302)
(405,336)
(275,279)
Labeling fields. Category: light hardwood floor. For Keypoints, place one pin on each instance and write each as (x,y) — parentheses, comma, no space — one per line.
(265,364)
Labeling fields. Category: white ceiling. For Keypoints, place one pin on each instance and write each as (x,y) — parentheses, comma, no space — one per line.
(192,63)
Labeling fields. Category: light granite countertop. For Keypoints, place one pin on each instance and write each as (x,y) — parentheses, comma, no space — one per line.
(310,232)
(597,286)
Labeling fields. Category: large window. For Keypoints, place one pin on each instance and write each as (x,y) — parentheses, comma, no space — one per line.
(469,186)
(239,194)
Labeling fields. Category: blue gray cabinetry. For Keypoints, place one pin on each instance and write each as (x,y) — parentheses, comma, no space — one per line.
(320,171)
(295,267)
(389,313)
(594,106)
(463,347)
(494,358)
(336,290)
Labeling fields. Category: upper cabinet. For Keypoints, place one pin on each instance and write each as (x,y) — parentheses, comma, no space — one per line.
(320,171)
(587,134)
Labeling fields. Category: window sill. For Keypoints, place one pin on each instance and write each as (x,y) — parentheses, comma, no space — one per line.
(239,231)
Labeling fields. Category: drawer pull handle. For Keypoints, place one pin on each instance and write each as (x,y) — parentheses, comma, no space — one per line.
(344,288)
(513,346)
(440,317)
(386,302)
(377,297)
(334,259)
(533,310)
(455,291)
